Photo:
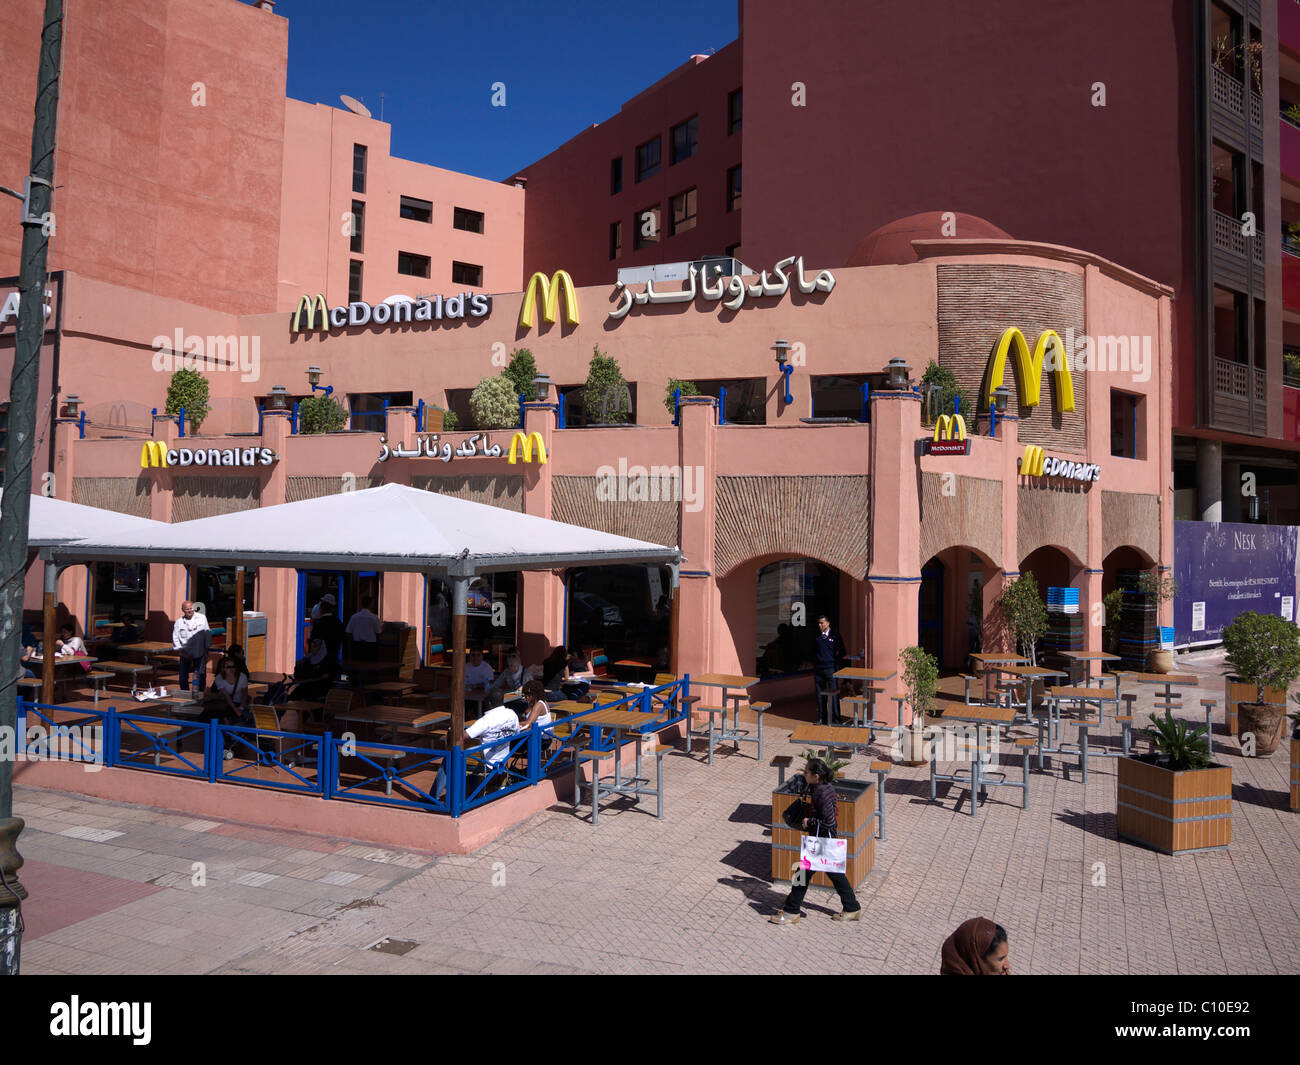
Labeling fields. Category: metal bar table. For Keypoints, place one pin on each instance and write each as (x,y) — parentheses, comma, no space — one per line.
(735,734)
(988,664)
(620,721)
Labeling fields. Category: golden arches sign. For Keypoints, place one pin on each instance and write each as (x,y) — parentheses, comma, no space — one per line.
(312,305)
(1029,368)
(550,299)
(153,453)
(530,441)
(950,427)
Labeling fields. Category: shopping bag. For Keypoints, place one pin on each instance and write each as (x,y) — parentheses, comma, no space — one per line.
(823,854)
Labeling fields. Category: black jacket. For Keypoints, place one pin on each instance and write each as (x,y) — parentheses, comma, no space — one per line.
(823,820)
(828,651)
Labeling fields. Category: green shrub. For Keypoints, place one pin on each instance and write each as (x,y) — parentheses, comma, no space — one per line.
(947,380)
(1024,613)
(494,404)
(188,389)
(606,395)
(688,389)
(1185,747)
(1264,648)
(321,414)
(520,372)
(921,679)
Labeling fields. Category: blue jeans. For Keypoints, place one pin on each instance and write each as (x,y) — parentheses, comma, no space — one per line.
(476,772)
(199,666)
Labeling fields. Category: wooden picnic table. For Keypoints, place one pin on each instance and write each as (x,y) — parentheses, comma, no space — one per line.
(1081,663)
(394,718)
(737,735)
(619,721)
(869,691)
(267,676)
(990,667)
(134,669)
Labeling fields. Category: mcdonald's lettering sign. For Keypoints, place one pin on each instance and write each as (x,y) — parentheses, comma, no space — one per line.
(157,455)
(549,291)
(949,436)
(312,312)
(528,443)
(1029,368)
(1035,464)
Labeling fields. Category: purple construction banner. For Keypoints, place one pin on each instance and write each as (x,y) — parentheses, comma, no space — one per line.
(1225,569)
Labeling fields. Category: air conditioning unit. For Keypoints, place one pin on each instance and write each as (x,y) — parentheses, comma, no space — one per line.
(710,267)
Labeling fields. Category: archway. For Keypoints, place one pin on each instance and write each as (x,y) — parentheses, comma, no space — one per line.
(1053,567)
(951,604)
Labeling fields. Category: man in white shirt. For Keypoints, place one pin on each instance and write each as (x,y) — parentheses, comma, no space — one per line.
(364,628)
(498,723)
(478,674)
(190,636)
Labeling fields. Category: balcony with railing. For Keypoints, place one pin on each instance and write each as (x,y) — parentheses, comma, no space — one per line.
(1231,94)
(1238,380)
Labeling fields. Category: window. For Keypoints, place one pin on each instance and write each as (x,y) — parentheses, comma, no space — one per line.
(731,250)
(368,408)
(412,265)
(458,404)
(683,212)
(733,189)
(358,226)
(840,395)
(684,138)
(746,400)
(647,159)
(615,239)
(216,591)
(616,176)
(577,416)
(117,588)
(735,101)
(466,274)
(416,210)
(624,609)
(358,168)
(481,628)
(780,645)
(354,281)
(469,221)
(1126,429)
(645,227)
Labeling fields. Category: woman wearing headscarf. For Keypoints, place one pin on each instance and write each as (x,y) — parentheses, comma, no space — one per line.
(978,948)
(822,822)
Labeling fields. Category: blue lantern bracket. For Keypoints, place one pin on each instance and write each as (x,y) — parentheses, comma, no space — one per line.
(786,371)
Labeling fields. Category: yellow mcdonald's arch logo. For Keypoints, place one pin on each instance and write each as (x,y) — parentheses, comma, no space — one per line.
(1033,462)
(1029,368)
(311,304)
(153,454)
(550,292)
(950,427)
(530,441)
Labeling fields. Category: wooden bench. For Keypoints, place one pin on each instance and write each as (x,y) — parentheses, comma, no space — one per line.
(881,769)
(99,678)
(712,711)
(781,763)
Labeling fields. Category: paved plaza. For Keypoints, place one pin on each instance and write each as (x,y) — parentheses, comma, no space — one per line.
(113,886)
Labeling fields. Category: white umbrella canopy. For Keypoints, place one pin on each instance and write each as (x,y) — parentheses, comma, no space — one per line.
(393,527)
(56,521)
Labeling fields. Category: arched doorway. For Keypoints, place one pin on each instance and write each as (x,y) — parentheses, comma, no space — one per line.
(1054,568)
(951,604)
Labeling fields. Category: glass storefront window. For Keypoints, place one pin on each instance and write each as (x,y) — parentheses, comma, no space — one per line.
(790,595)
(491,612)
(118,588)
(624,609)
(215,589)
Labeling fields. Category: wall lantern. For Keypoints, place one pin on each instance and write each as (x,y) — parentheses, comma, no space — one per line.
(900,374)
(313,377)
(279,398)
(541,388)
(782,349)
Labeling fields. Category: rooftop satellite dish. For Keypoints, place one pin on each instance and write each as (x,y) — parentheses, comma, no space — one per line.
(355,106)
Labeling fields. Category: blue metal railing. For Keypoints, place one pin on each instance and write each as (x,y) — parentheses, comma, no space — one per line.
(280,760)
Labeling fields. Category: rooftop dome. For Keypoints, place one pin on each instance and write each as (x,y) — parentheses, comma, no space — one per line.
(891,244)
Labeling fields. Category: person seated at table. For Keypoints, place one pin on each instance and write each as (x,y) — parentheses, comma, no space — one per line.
(497,723)
(68,643)
(236,651)
(28,660)
(511,678)
(313,674)
(553,668)
(537,712)
(478,674)
(127,632)
(228,698)
(578,675)
(978,948)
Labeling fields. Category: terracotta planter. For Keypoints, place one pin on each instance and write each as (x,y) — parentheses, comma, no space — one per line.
(1265,721)
(855,802)
(1295,773)
(1173,812)
(1237,691)
(1161,662)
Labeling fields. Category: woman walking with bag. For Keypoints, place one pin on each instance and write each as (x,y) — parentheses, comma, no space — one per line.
(821,822)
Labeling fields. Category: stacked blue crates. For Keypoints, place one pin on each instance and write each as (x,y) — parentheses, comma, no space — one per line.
(1064,626)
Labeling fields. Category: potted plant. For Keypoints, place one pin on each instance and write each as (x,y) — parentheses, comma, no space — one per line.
(1024,613)
(1112,607)
(1174,799)
(920,681)
(607,398)
(321,414)
(188,390)
(855,805)
(494,404)
(1265,652)
(1162,588)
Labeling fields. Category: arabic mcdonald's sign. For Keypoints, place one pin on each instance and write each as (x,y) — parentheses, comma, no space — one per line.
(1029,368)
(1035,464)
(533,439)
(550,293)
(949,436)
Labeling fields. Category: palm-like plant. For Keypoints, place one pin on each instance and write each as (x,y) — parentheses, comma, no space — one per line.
(1185,747)
(833,765)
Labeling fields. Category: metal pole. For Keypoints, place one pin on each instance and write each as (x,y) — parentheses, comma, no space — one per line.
(674,618)
(37,225)
(48,601)
(459,593)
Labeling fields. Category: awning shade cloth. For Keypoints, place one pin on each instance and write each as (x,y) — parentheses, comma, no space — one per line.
(56,521)
(391,528)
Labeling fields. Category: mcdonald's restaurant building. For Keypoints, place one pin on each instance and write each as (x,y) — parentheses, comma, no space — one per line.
(798,482)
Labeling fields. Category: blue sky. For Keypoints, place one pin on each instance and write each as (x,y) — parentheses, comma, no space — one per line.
(565,63)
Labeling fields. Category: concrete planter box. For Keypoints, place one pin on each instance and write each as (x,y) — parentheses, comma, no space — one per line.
(1173,812)
(855,802)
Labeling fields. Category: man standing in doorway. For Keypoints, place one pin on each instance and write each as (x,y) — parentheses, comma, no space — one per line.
(828,656)
(364,628)
(190,636)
